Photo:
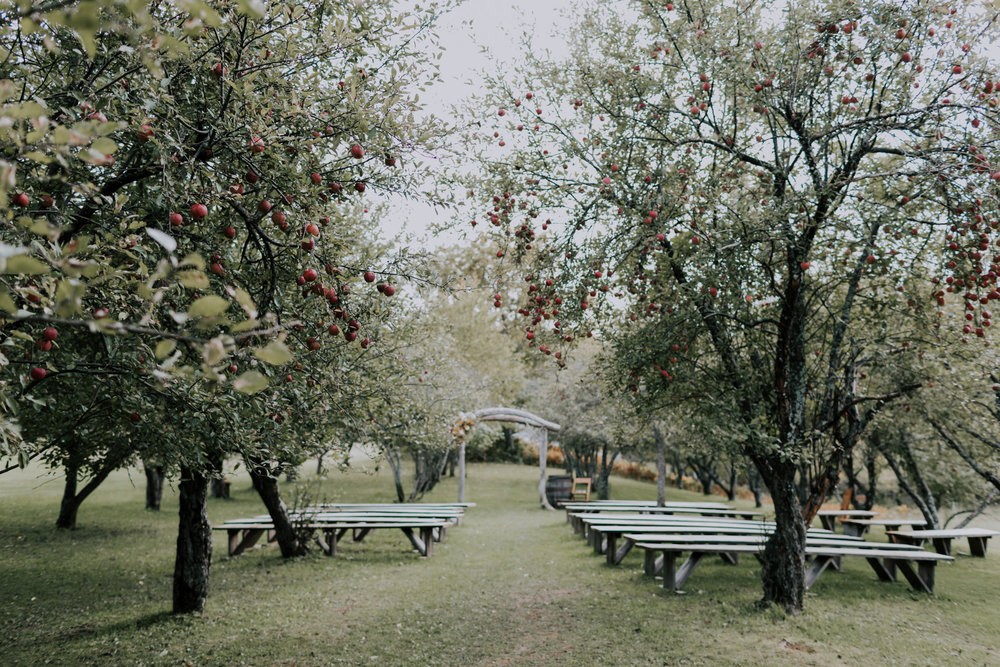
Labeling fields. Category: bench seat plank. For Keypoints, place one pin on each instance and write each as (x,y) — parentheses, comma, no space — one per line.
(922,579)
(941,538)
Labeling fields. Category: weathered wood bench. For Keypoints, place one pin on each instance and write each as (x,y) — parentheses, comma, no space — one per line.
(884,561)
(941,539)
(605,537)
(828,518)
(244,534)
(632,506)
(581,522)
(862,526)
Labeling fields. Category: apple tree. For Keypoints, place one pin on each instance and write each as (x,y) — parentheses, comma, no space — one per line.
(773,202)
(194,180)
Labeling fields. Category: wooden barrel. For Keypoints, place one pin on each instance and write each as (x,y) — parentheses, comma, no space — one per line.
(558,489)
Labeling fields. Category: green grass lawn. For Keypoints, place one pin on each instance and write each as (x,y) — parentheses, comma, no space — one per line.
(512,585)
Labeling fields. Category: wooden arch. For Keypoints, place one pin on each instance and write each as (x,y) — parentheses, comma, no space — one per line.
(525,418)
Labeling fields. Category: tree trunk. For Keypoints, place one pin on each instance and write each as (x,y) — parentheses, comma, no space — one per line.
(217,487)
(319,464)
(461,472)
(508,439)
(753,479)
(392,456)
(783,566)
(154,485)
(69,506)
(661,467)
(194,544)
(72,499)
(266,485)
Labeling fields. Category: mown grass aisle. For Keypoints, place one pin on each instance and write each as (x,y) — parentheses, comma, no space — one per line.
(512,585)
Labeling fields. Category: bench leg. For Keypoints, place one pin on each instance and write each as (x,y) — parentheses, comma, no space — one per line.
(250,538)
(427,535)
(884,570)
(417,543)
(922,580)
(687,568)
(977,546)
(649,562)
(816,568)
(730,558)
(360,533)
(623,550)
(942,545)
(855,531)
(234,539)
(328,543)
(829,523)
(669,570)
(612,547)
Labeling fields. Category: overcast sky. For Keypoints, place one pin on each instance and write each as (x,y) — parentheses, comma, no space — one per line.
(495,25)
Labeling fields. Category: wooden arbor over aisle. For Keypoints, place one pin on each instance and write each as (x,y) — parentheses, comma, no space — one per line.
(524,418)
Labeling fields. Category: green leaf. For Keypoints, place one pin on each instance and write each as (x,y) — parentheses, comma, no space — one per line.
(6,303)
(252,8)
(165,348)
(275,353)
(195,260)
(245,325)
(69,297)
(250,382)
(193,279)
(105,145)
(25,265)
(208,306)
(246,302)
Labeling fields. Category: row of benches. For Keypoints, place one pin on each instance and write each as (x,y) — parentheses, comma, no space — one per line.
(666,536)
(421,523)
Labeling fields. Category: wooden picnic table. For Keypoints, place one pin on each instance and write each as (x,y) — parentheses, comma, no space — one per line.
(244,534)
(884,561)
(580,520)
(604,537)
(828,518)
(861,526)
(941,539)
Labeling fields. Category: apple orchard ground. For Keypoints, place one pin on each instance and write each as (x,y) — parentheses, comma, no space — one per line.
(512,585)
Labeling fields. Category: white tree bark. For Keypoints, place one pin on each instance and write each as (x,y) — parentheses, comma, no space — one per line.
(461,472)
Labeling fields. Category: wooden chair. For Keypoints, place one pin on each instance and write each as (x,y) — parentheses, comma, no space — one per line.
(581,489)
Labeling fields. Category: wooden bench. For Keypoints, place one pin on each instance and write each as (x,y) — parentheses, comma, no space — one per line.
(941,539)
(828,518)
(885,562)
(244,534)
(580,521)
(596,506)
(861,526)
(605,537)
